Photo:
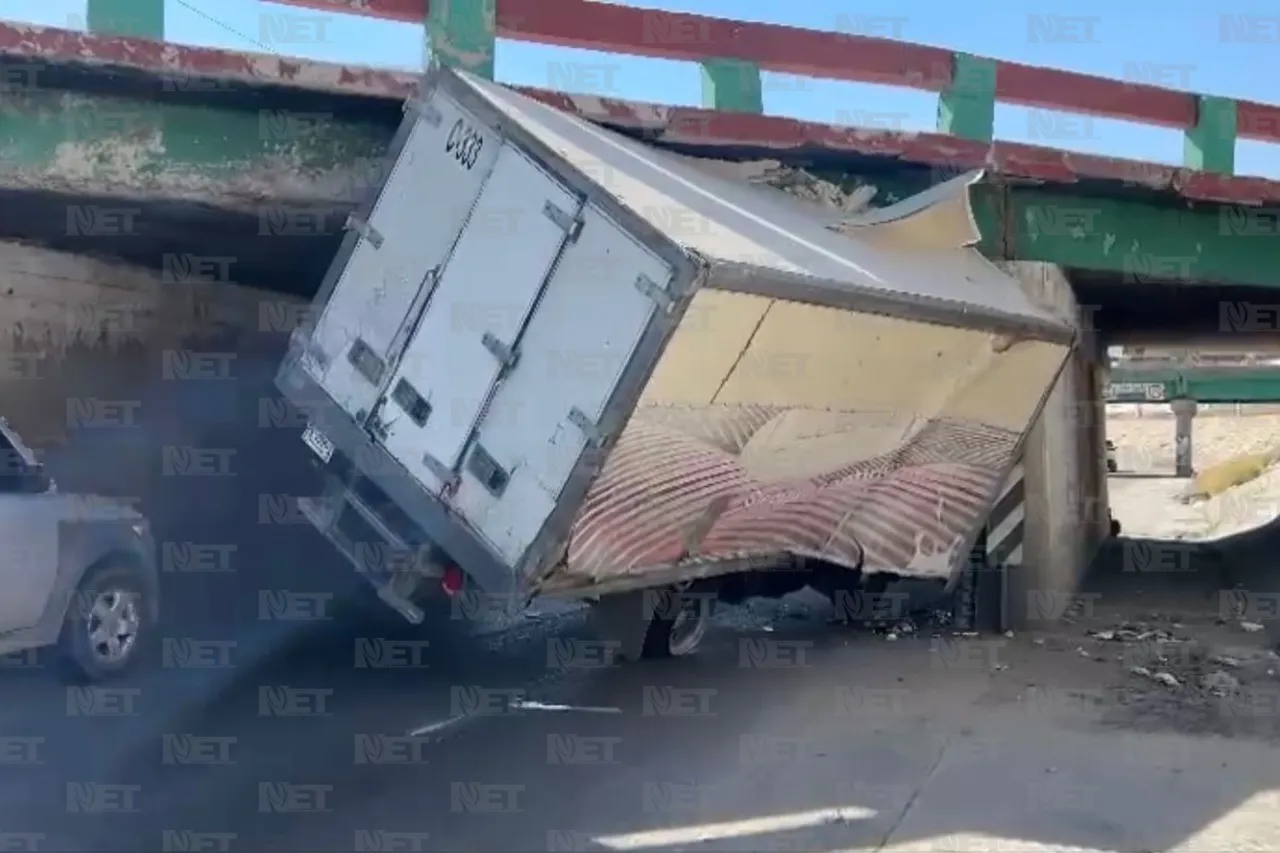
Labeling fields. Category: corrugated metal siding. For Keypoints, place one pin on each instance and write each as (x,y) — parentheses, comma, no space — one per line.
(673,490)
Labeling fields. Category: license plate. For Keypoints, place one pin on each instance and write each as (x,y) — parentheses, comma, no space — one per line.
(318,442)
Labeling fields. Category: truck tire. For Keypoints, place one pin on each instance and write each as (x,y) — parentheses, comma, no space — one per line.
(108,626)
(650,624)
(676,629)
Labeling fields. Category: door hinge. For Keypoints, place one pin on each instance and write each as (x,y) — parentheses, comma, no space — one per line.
(440,471)
(365,230)
(570,223)
(588,427)
(505,355)
(654,291)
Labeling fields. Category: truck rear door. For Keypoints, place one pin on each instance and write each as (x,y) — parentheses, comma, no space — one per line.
(469,334)
(442,162)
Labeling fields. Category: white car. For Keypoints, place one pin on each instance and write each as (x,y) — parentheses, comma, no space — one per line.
(79,571)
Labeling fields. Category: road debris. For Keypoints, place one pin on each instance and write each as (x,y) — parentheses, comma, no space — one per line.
(1220,682)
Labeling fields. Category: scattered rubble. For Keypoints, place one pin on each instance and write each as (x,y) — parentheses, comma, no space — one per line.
(1135,632)
(1220,683)
(809,187)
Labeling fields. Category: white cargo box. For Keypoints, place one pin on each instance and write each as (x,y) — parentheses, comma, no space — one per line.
(579,362)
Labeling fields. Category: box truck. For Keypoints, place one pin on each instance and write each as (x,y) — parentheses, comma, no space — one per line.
(550,360)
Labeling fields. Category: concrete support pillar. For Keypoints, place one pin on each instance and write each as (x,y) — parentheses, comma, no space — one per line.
(1064,458)
(1096,506)
(1184,415)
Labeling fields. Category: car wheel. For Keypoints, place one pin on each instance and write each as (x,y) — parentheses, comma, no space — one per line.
(108,624)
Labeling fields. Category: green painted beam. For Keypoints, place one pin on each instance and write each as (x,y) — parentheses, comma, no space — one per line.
(463,34)
(97,144)
(101,144)
(138,18)
(1124,387)
(1136,238)
(732,85)
(968,108)
(1191,382)
(1210,146)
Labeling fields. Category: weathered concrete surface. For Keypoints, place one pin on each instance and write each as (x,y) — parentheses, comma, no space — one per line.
(1066,515)
(79,330)
(142,167)
(238,154)
(132,384)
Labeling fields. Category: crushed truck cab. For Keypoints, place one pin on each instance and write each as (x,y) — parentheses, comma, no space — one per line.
(567,363)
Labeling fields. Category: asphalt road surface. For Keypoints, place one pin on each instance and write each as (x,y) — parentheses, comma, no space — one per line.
(340,733)
(504,743)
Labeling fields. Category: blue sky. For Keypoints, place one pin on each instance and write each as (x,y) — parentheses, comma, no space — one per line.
(1177,43)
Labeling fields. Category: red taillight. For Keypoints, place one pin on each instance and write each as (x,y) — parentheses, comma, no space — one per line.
(453,580)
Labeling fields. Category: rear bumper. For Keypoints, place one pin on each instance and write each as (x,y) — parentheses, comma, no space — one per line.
(367,465)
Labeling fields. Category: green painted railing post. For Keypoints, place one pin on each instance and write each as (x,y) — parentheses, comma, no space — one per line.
(1210,146)
(968,107)
(138,18)
(462,34)
(733,85)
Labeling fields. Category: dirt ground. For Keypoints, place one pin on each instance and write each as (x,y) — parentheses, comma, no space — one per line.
(1166,652)
(1173,630)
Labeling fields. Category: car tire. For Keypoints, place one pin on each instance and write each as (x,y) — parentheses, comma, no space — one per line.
(89,649)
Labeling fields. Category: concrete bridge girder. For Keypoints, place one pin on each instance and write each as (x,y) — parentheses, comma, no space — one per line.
(294,152)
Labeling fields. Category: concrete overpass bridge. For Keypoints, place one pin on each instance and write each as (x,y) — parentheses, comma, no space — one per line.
(157,198)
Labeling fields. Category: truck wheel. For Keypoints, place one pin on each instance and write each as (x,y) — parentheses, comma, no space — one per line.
(676,630)
(649,624)
(108,623)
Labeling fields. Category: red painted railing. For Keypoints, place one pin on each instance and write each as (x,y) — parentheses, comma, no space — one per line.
(860,58)
(812,53)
